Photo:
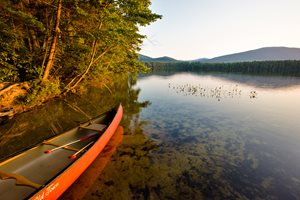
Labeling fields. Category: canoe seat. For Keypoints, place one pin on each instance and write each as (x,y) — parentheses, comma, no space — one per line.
(20,180)
(94,127)
(59,145)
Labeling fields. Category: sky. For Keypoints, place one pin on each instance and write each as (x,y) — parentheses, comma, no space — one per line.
(192,29)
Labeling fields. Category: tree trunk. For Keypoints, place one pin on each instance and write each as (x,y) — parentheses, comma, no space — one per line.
(79,78)
(70,86)
(75,81)
(53,43)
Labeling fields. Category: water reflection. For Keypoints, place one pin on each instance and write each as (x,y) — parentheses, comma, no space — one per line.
(271,82)
(81,186)
(185,147)
(199,148)
(58,115)
(262,81)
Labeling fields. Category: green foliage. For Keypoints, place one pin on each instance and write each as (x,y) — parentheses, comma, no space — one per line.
(21,36)
(39,93)
(287,67)
(26,32)
(26,18)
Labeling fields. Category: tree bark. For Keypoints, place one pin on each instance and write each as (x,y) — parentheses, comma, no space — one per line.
(53,43)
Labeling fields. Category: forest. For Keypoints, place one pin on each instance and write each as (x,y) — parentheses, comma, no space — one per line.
(286,67)
(48,47)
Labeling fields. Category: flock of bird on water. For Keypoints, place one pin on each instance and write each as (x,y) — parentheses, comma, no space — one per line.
(219,92)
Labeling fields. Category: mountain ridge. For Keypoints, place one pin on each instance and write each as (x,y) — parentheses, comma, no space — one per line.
(260,54)
(144,58)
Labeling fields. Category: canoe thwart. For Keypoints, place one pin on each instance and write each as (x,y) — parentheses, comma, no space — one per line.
(58,145)
(20,180)
(94,127)
(39,173)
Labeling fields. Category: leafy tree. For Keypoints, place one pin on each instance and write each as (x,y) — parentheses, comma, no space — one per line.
(285,67)
(70,40)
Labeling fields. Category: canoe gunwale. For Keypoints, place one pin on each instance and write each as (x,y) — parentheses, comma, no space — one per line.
(69,172)
(82,162)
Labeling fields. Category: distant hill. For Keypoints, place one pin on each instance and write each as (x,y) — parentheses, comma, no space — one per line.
(262,54)
(144,58)
(200,60)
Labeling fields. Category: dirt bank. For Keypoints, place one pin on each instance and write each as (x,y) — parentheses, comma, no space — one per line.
(9,95)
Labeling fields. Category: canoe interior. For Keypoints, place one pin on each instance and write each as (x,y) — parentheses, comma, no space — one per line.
(41,168)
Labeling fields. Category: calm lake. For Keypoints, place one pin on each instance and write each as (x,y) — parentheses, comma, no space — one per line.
(187,136)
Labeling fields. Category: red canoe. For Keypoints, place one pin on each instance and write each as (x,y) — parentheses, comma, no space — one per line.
(47,170)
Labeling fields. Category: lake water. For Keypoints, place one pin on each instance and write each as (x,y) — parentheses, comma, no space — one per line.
(187,136)
(209,136)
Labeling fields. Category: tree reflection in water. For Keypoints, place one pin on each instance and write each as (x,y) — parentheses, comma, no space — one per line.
(198,149)
(58,115)
(190,149)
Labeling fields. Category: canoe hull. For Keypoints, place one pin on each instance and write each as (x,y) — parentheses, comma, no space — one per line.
(62,182)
